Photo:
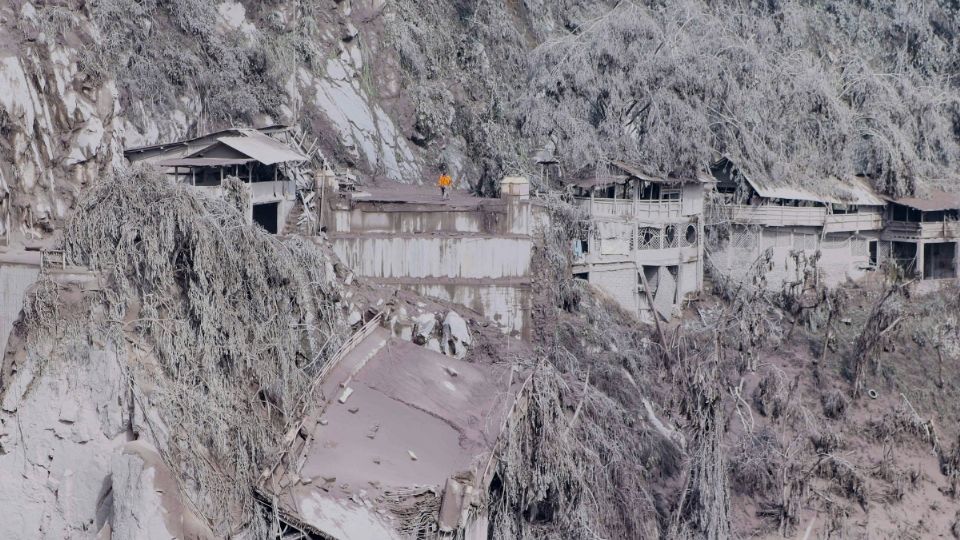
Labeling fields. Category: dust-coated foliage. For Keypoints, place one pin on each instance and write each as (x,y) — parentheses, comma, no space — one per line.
(160,50)
(791,91)
(227,327)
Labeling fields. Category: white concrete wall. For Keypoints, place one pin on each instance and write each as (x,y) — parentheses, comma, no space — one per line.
(619,282)
(691,199)
(515,218)
(843,256)
(688,280)
(435,256)
(14,282)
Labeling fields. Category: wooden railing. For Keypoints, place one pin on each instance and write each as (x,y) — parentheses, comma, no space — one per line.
(946,230)
(773,215)
(860,221)
(53,258)
(631,208)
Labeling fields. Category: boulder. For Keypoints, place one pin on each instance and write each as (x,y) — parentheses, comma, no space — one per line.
(456,328)
(425,325)
(456,335)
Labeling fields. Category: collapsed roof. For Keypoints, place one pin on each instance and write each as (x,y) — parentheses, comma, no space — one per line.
(402,431)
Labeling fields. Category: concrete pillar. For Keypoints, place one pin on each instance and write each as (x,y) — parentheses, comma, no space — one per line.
(956,259)
(919,259)
(515,188)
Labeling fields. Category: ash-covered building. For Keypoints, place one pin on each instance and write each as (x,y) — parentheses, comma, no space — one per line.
(644,237)
(853,228)
(473,251)
(269,160)
(921,234)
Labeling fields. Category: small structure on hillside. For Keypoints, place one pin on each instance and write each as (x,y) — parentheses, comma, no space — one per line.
(752,215)
(403,446)
(644,239)
(269,160)
(921,235)
(469,250)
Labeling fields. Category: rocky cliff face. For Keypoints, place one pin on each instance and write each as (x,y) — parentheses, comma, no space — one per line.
(59,129)
(82,80)
(396,90)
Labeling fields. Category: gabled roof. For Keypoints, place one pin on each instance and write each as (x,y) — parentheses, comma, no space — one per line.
(262,148)
(934,201)
(276,128)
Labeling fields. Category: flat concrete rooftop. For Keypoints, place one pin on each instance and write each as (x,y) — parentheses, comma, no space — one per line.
(419,195)
(397,419)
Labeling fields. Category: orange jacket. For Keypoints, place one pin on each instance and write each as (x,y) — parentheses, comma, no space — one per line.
(444,181)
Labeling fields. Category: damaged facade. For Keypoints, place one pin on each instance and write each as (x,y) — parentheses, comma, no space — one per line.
(270,161)
(468,250)
(643,239)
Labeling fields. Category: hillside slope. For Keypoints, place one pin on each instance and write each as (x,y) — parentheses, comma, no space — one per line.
(790,91)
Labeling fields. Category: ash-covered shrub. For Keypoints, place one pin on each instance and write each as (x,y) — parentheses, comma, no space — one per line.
(834,405)
(235,323)
(161,50)
(755,464)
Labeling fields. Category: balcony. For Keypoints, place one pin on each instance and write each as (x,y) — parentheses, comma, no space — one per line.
(631,208)
(773,215)
(913,231)
(862,221)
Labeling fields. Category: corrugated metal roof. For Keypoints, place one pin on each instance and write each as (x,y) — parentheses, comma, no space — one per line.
(275,128)
(848,191)
(202,162)
(262,148)
(934,201)
(862,193)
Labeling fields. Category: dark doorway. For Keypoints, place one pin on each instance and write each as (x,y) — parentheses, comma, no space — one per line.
(873,253)
(939,260)
(265,215)
(905,255)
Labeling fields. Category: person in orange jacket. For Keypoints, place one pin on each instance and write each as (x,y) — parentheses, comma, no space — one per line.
(444,184)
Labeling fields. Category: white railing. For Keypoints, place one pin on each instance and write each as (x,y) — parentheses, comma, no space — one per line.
(53,258)
(631,208)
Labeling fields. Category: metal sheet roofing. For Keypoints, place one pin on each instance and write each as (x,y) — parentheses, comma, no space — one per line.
(262,148)
(934,201)
(843,191)
(266,129)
